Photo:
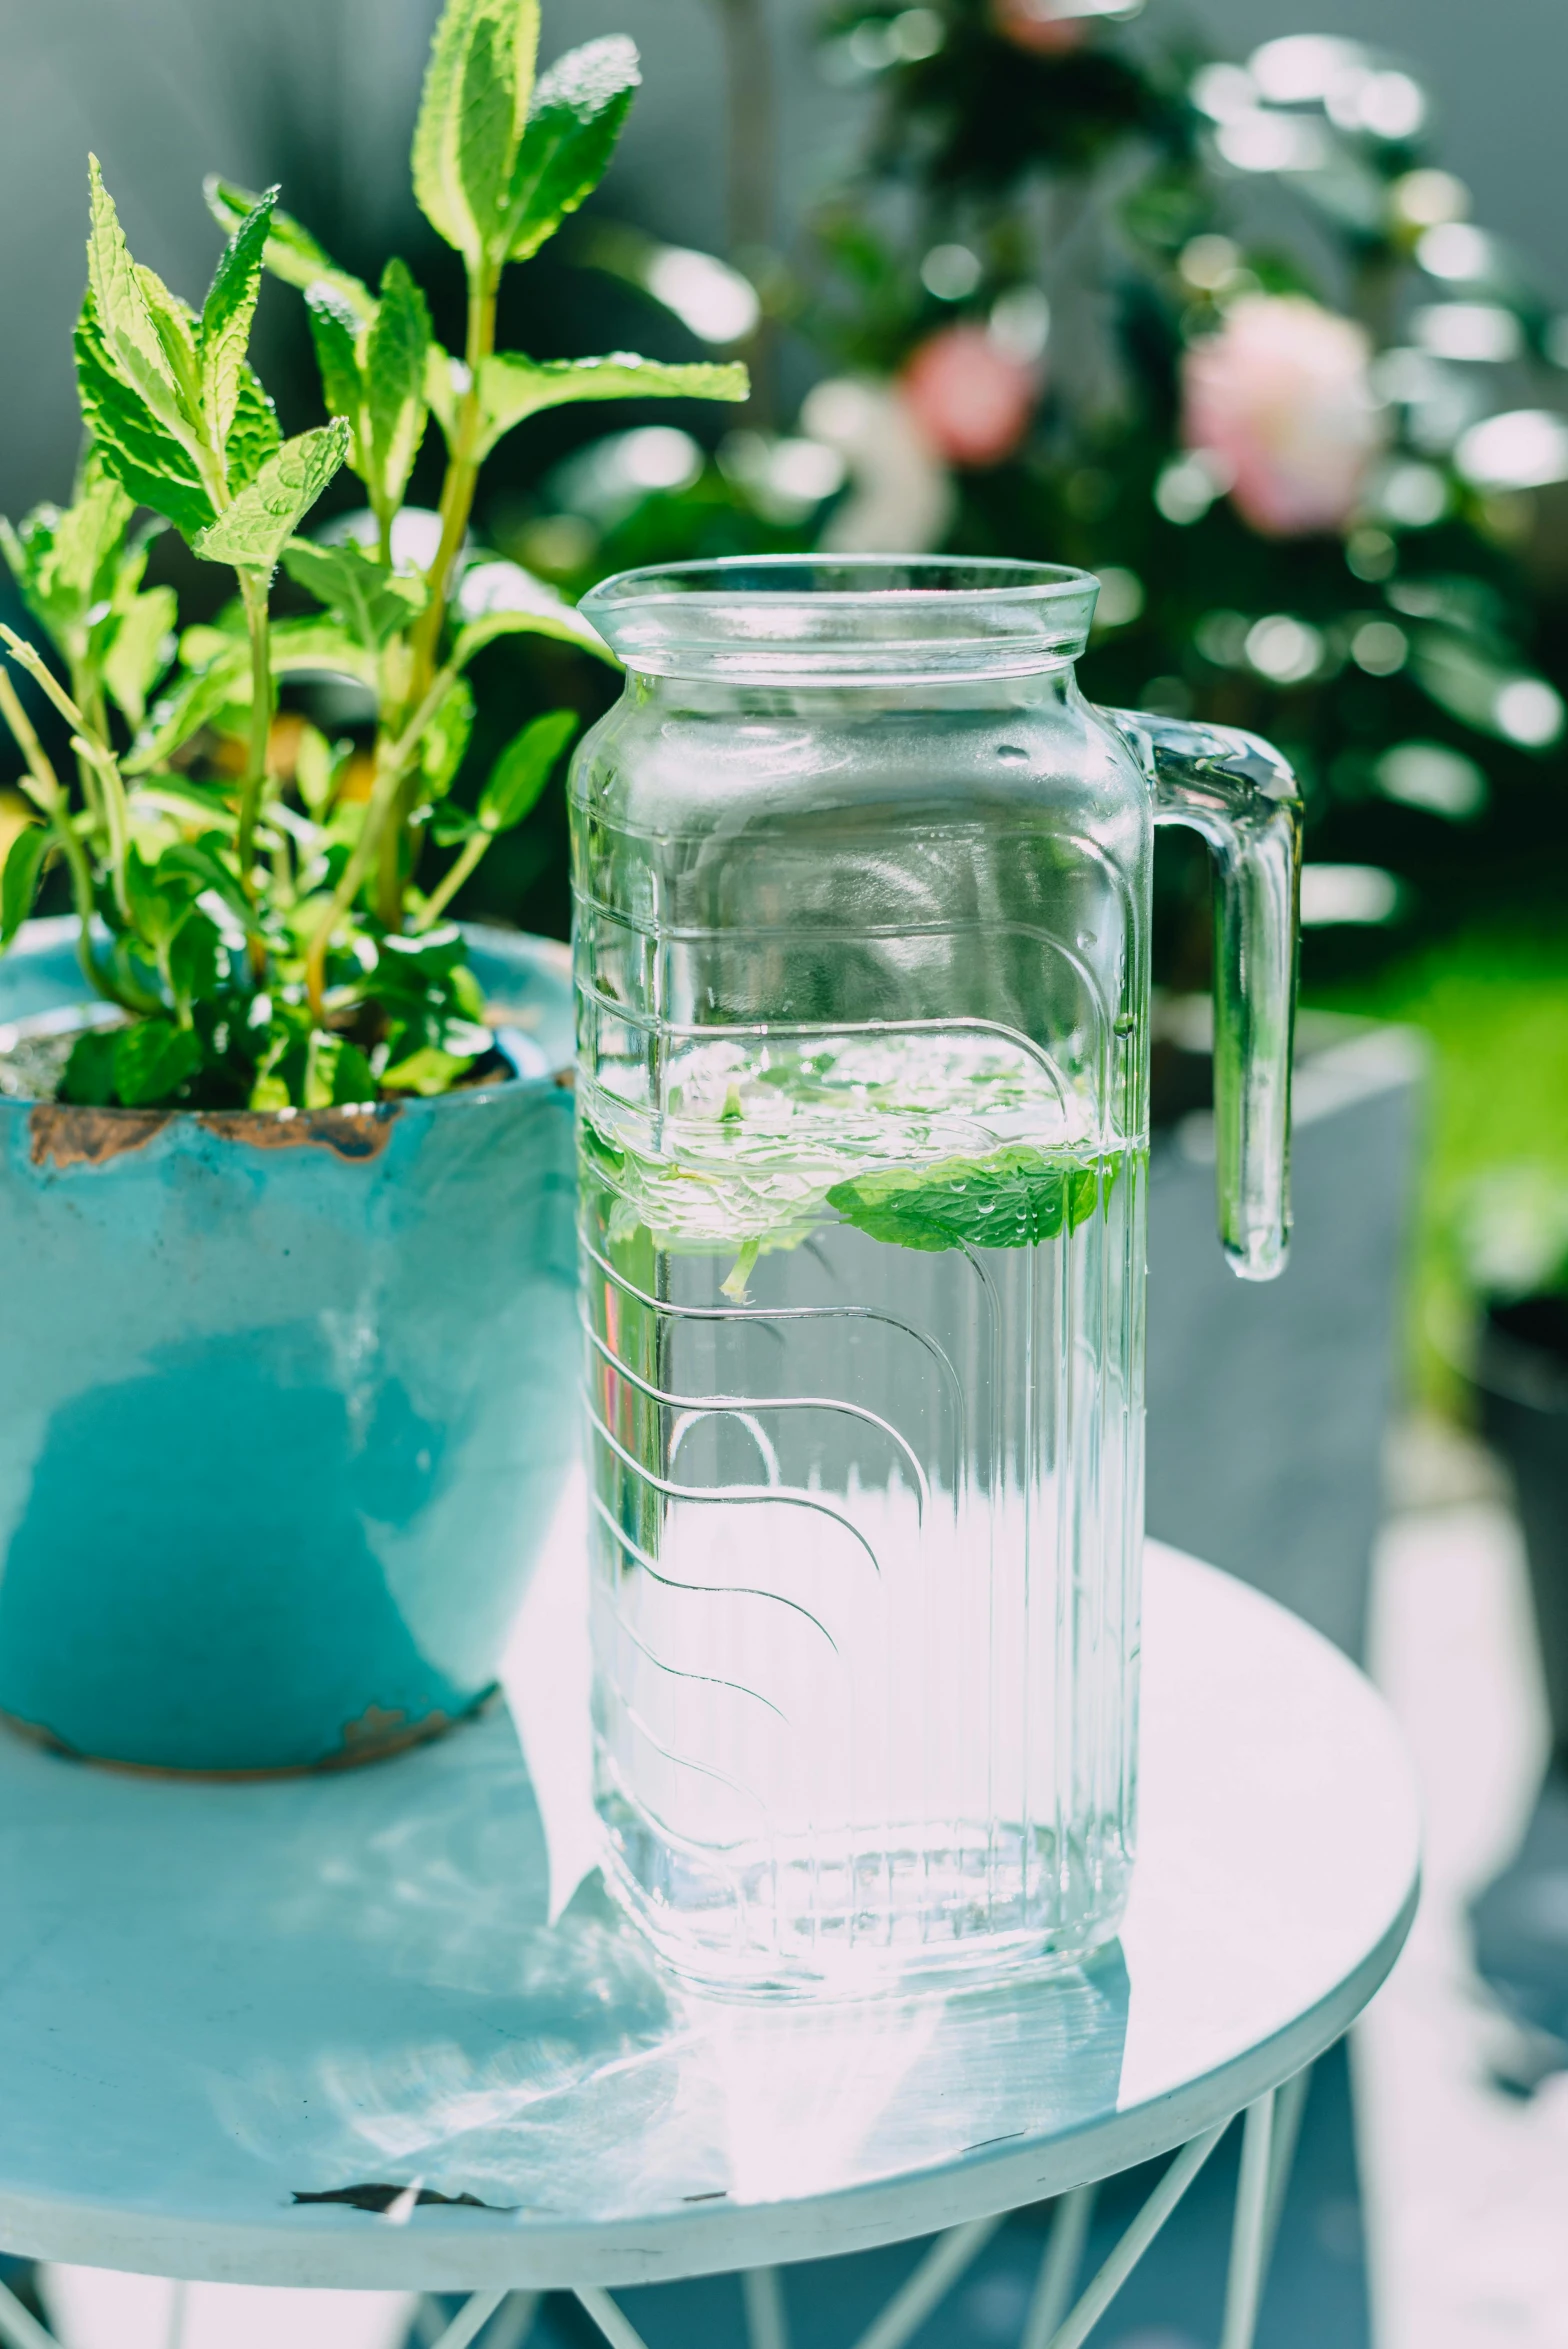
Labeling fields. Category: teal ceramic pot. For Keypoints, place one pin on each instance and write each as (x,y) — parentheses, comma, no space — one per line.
(286,1401)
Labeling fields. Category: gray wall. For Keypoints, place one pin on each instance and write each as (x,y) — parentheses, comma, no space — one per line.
(165,91)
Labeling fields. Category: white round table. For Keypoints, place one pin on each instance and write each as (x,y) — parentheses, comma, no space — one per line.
(333,2030)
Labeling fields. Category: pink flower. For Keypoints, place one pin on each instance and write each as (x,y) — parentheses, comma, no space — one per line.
(970,400)
(1279,400)
(1049,27)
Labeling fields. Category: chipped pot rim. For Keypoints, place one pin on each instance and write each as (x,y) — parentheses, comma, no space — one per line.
(340,1124)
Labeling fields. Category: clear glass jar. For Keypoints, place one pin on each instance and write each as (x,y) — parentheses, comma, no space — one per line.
(862,952)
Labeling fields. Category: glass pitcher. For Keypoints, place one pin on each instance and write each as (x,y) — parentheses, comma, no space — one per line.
(862,893)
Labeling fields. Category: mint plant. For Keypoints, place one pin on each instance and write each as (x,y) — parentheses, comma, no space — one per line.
(269,926)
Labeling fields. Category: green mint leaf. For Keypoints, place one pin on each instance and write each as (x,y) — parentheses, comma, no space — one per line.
(573,124)
(427,1071)
(197,698)
(394,377)
(226,317)
(353,1080)
(159,901)
(502,599)
(24,866)
(446,380)
(472,114)
(292,253)
(194,961)
(153,465)
(335,331)
(523,769)
(330,1072)
(299,648)
(512,387)
(411,966)
(64,562)
(372,602)
(445,739)
(152,1059)
(88,1076)
(318,647)
(142,349)
(1012,1199)
(140,650)
(315,769)
(252,532)
(253,436)
(188,801)
(451,824)
(176,325)
(196,866)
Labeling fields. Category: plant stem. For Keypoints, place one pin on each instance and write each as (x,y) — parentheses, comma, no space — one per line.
(92,707)
(41,784)
(462,473)
(450,882)
(389,866)
(392,763)
(48,794)
(457,505)
(89,744)
(253,588)
(118,814)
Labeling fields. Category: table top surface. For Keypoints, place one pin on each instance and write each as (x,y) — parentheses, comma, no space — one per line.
(215,1999)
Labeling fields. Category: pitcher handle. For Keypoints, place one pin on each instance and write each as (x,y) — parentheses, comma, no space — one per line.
(1240,795)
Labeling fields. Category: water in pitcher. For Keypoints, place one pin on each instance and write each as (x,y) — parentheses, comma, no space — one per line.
(864,1336)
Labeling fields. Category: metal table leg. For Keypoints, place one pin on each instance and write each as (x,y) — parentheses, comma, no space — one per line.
(1249,2233)
(1077,2327)
(767,2327)
(1268,2143)
(474,2313)
(19,2328)
(932,2280)
(1059,2265)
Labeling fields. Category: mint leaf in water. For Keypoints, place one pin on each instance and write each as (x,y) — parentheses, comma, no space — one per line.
(1010,1200)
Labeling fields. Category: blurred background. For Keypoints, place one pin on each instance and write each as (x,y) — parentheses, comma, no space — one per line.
(1258,309)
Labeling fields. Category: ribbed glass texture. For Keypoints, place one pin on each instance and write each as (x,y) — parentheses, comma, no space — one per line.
(862,892)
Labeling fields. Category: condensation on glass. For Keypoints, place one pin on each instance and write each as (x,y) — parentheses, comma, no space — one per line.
(862,901)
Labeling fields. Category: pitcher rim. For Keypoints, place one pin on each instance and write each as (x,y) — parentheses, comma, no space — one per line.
(803,618)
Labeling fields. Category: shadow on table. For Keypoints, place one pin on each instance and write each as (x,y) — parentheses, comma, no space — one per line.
(1317,2291)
